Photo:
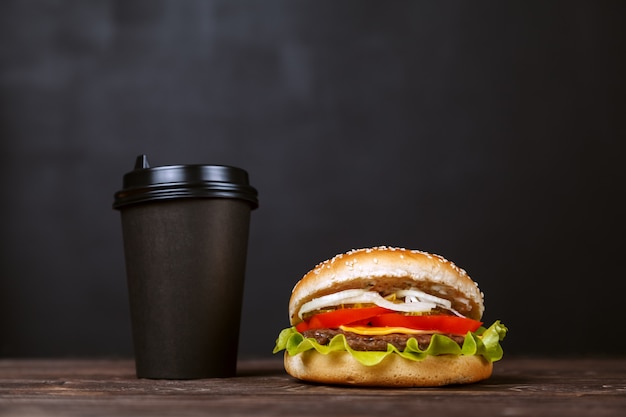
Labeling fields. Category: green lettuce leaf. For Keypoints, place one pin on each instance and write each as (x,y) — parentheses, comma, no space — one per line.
(484,342)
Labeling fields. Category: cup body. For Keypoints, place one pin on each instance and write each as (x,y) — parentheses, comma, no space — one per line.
(185,266)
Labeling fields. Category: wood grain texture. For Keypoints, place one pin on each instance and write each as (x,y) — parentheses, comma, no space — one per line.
(538,387)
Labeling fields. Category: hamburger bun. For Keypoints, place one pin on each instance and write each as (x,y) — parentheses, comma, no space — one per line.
(340,368)
(385,269)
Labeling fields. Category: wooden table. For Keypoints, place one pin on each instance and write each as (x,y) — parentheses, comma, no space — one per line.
(519,387)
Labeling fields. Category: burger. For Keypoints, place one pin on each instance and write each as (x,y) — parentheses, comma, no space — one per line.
(388,316)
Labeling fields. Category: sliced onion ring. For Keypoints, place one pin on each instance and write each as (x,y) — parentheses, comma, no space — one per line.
(422,296)
(355,296)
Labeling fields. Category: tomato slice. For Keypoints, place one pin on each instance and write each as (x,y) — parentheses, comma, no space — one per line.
(342,316)
(382,317)
(442,323)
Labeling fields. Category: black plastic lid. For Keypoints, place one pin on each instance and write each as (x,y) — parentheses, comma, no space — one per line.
(145,184)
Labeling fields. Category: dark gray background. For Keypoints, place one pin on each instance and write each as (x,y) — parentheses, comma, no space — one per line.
(489,132)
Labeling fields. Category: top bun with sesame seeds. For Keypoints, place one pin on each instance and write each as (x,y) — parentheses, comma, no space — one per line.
(385,270)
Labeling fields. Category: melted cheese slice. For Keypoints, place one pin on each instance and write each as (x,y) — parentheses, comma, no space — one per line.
(381,331)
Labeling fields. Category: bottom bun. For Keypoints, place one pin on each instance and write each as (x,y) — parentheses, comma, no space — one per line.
(394,371)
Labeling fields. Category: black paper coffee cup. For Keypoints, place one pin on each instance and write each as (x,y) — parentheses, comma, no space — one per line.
(185,233)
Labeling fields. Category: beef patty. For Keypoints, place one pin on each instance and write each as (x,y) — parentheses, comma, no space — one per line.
(375,343)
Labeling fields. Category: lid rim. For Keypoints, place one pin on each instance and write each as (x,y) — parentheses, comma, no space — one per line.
(136,195)
(129,201)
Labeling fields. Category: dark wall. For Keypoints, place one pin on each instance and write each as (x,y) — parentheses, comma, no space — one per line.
(489,132)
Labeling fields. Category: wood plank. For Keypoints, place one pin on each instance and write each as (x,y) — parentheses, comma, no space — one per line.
(519,386)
